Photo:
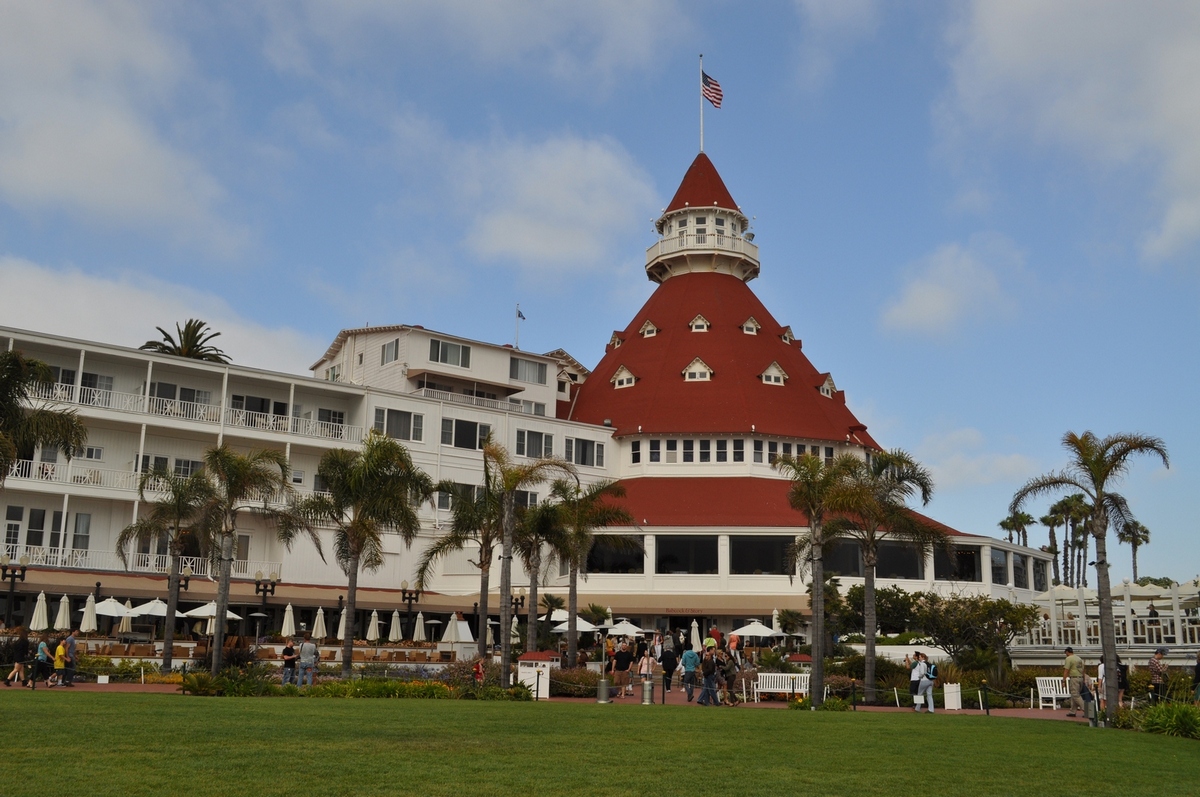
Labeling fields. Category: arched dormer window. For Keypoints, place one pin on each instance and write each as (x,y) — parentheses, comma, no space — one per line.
(648,329)
(750,326)
(697,371)
(774,375)
(623,378)
(699,324)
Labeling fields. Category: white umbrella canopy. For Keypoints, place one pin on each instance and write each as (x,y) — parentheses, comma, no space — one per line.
(625,628)
(756,629)
(395,633)
(1061,592)
(41,619)
(514,636)
(319,631)
(209,610)
(63,621)
(110,607)
(373,627)
(419,630)
(452,632)
(557,616)
(581,625)
(341,634)
(696,643)
(126,621)
(1150,591)
(289,623)
(154,608)
(88,625)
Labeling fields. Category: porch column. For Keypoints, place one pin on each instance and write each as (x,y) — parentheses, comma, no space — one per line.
(985,565)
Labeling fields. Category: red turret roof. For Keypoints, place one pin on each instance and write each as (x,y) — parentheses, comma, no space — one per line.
(736,401)
(702,187)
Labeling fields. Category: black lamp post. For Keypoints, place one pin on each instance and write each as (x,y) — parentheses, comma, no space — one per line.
(409,596)
(185,578)
(12,574)
(518,601)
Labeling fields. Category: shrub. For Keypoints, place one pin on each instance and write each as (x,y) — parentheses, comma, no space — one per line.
(516,692)
(855,667)
(1172,719)
(462,673)
(200,683)
(830,704)
(770,661)
(381,688)
(1126,719)
(840,685)
(574,682)
(232,657)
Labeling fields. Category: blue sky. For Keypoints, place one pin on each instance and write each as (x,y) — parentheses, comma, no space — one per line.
(982,217)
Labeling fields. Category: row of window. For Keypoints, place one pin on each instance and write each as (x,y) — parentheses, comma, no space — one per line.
(699,371)
(701,324)
(471,492)
(671,451)
(35,529)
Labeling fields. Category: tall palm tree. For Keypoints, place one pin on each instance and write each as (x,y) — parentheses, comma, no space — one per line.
(1075,512)
(173,518)
(872,499)
(193,341)
(790,621)
(1095,465)
(812,484)
(509,477)
(551,604)
(368,493)
(585,510)
(24,424)
(1052,521)
(541,530)
(1135,535)
(1017,527)
(247,483)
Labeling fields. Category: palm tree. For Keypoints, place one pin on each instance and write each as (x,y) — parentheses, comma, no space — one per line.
(790,621)
(1017,527)
(1074,511)
(510,477)
(25,426)
(551,604)
(1052,521)
(812,483)
(193,341)
(246,483)
(1094,466)
(872,500)
(369,492)
(1135,535)
(173,518)
(584,511)
(540,529)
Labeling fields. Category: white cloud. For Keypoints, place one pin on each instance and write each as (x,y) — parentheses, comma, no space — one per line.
(957,459)
(828,29)
(125,312)
(80,84)
(1114,81)
(953,285)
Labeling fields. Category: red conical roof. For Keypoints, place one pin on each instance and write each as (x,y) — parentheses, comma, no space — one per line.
(702,187)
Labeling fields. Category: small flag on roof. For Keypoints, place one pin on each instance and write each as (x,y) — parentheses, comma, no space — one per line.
(520,315)
(711,90)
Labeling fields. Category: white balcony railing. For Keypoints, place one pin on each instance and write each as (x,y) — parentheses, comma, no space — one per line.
(475,401)
(727,243)
(185,410)
(76,559)
(285,424)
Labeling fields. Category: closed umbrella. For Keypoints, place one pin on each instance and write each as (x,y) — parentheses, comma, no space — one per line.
(341,634)
(289,623)
(452,631)
(775,620)
(491,640)
(41,619)
(696,645)
(319,631)
(63,621)
(126,623)
(396,632)
(88,626)
(373,628)
(514,636)
(419,631)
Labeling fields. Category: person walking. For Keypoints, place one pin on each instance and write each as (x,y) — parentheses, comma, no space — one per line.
(690,661)
(929,676)
(1073,674)
(44,663)
(20,657)
(1158,676)
(913,663)
(708,669)
(622,662)
(289,662)
(646,666)
(669,664)
(309,655)
(729,673)
(71,663)
(60,661)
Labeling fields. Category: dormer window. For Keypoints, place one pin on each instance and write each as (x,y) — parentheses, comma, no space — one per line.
(774,375)
(787,335)
(623,378)
(828,388)
(648,330)
(697,371)
(750,326)
(699,324)
(615,341)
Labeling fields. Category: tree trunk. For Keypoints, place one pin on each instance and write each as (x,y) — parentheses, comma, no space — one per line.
(172,605)
(351,599)
(817,675)
(869,628)
(1108,636)
(1083,557)
(572,613)
(1134,547)
(1068,533)
(1054,556)
(220,615)
(506,549)
(531,621)
(485,575)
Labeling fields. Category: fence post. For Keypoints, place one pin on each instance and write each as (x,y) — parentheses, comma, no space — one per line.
(537,689)
(854,694)
(987,704)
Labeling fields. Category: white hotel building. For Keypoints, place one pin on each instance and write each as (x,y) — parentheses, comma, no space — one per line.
(691,403)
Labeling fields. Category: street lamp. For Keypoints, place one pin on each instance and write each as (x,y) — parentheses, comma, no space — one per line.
(518,601)
(186,578)
(409,596)
(11,574)
(265,587)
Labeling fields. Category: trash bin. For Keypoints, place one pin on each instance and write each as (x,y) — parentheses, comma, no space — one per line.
(648,692)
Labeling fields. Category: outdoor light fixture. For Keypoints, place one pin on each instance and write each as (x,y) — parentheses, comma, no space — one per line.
(518,601)
(265,587)
(12,574)
(187,578)
(409,596)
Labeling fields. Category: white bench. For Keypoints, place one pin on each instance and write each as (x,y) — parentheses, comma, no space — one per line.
(1051,690)
(788,683)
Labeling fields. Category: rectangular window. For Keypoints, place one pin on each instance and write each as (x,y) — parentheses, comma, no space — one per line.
(611,554)
(12,524)
(1040,581)
(524,498)
(526,370)
(186,467)
(814,450)
(961,564)
(447,431)
(56,524)
(195,396)
(688,452)
(390,352)
(739,450)
(722,452)
(1020,574)
(92,452)
(298,478)
(34,535)
(655,453)
(900,560)
(772,452)
(635,452)
(333,373)
(706,451)
(758,450)
(464,434)
(787,449)
(83,531)
(242,552)
(672,454)
(686,554)
(757,556)
(449,353)
(398,424)
(153,462)
(534,444)
(521,405)
(319,484)
(828,456)
(844,560)
(585,452)
(999,567)
(335,417)
(448,500)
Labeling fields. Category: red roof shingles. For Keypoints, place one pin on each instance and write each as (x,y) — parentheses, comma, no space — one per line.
(702,187)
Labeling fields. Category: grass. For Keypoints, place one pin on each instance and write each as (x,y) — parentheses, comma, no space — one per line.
(157,744)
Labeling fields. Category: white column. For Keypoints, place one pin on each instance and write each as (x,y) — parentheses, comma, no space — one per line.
(79,375)
(649,542)
(1176,613)
(224,406)
(985,562)
(146,392)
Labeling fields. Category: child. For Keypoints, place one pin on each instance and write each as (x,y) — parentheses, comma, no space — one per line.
(60,662)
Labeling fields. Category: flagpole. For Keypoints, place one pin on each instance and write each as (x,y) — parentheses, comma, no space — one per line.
(701,102)
(517,325)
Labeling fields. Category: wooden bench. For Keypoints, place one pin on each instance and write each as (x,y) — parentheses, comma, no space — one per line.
(787,683)
(1051,690)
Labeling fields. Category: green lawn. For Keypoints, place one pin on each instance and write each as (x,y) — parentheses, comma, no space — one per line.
(135,744)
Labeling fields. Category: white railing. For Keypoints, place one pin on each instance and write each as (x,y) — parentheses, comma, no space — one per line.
(185,410)
(38,471)
(474,401)
(108,399)
(675,243)
(74,559)
(101,477)
(53,391)
(298,426)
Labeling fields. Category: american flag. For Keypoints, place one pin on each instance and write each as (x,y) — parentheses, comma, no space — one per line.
(711,90)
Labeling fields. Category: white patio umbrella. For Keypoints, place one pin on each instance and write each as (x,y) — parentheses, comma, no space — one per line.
(491,639)
(697,645)
(41,619)
(775,620)
(514,636)
(373,627)
(756,629)
(126,621)
(341,634)
(625,628)
(609,618)
(63,621)
(557,616)
(319,631)
(452,632)
(419,629)
(209,611)
(581,625)
(154,608)
(289,623)
(1149,591)
(88,625)
(110,607)
(396,632)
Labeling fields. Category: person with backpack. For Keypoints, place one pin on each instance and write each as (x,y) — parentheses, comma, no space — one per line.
(929,676)
(309,655)
(913,663)
(669,664)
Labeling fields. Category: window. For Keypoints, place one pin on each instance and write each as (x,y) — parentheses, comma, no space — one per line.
(615,341)
(772,452)
(335,417)
(961,564)
(360,358)
(722,452)
(464,434)
(154,462)
(252,403)
(242,552)
(319,484)
(697,371)
(447,500)
(534,444)
(1020,573)
(37,528)
(195,396)
(672,453)
(706,451)
(399,424)
(757,556)
(655,453)
(449,353)
(829,456)
(389,352)
(527,407)
(623,378)
(844,560)
(610,554)
(1040,582)
(585,452)
(699,323)
(772,379)
(83,531)
(425,384)
(739,450)
(688,453)
(686,554)
(787,449)
(635,452)
(12,524)
(562,387)
(999,566)
(787,335)
(648,330)
(750,326)
(298,477)
(56,524)
(96,390)
(524,498)
(815,451)
(91,452)
(758,450)
(900,560)
(333,374)
(526,370)
(186,467)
